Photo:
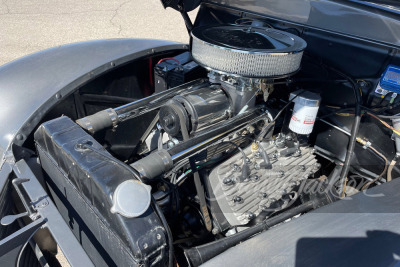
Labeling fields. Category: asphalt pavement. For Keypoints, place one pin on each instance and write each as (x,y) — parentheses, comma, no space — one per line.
(27,26)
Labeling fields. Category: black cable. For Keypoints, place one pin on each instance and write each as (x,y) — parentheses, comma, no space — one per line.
(350,149)
(287,104)
(390,107)
(354,129)
(200,254)
(267,164)
(379,105)
(312,80)
(156,207)
(356,124)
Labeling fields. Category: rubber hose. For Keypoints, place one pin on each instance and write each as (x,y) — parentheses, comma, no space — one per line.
(353,137)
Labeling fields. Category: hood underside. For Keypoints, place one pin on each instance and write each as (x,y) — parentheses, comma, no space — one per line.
(342,17)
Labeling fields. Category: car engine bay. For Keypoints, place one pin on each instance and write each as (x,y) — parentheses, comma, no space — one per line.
(243,132)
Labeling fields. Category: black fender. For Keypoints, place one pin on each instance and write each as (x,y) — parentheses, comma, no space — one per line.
(32,85)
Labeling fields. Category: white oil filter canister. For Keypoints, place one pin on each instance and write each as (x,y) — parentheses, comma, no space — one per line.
(305,111)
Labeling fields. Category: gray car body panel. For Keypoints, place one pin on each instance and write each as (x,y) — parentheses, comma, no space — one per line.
(32,85)
(355,18)
(361,230)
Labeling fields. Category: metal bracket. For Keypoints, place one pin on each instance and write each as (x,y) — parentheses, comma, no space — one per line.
(16,182)
(30,208)
(9,219)
(44,211)
(367,145)
(20,237)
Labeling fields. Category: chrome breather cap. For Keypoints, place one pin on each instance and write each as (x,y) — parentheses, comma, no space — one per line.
(247,51)
(131,198)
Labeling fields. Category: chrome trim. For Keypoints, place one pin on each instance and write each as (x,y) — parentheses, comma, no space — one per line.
(246,62)
(298,46)
(113,116)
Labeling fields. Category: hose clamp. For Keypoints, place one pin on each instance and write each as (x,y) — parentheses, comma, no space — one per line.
(113,116)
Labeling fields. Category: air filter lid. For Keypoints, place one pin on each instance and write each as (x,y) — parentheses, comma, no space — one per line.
(247,51)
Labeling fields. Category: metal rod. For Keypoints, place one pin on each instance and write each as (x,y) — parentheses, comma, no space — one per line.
(154,101)
(198,255)
(112,117)
(198,143)
(336,127)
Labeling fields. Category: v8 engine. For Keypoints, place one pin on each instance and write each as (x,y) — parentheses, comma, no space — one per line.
(211,158)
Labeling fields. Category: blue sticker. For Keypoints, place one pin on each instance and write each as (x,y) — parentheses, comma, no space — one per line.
(390,79)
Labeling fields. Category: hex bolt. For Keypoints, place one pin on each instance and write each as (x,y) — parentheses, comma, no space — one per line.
(238,199)
(250,215)
(258,155)
(257,166)
(280,142)
(228,181)
(170,144)
(363,84)
(297,153)
(263,195)
(83,145)
(236,168)
(271,142)
(215,231)
(254,178)
(158,236)
(248,160)
(281,174)
(303,168)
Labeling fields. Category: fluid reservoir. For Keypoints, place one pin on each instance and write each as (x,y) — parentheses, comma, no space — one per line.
(305,111)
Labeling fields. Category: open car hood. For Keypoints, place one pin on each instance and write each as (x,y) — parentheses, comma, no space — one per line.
(189,5)
(343,17)
(184,5)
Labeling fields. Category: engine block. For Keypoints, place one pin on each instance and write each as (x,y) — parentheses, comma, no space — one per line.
(240,199)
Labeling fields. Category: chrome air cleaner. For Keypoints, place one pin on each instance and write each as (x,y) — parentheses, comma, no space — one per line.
(247,51)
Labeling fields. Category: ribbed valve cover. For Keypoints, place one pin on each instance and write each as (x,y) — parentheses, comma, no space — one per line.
(237,198)
(247,51)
